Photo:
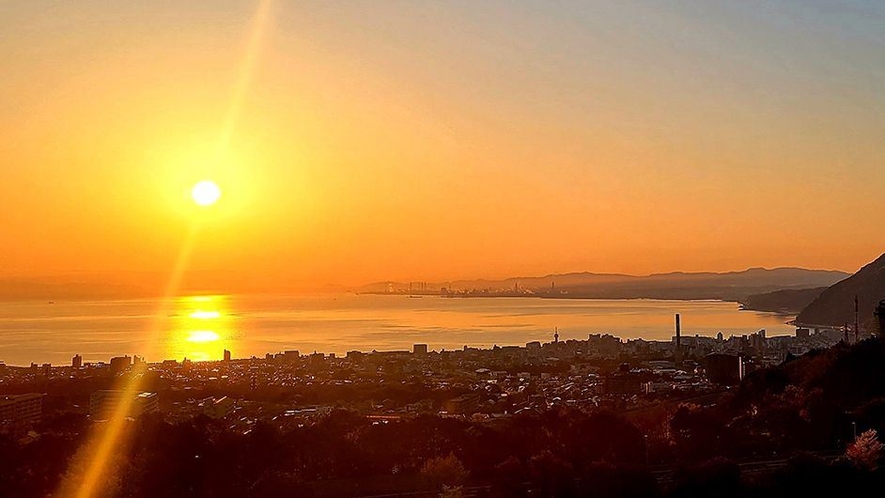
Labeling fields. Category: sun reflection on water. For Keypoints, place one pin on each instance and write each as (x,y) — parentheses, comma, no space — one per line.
(205,315)
(202,328)
(202,336)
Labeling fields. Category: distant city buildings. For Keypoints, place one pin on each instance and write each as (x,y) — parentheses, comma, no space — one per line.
(120,364)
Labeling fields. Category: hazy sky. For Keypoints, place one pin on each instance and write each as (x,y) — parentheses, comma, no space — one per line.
(360,141)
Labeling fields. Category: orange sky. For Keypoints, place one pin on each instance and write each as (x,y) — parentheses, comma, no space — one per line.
(416,140)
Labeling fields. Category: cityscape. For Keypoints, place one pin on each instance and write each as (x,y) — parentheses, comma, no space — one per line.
(442,249)
(492,388)
(601,371)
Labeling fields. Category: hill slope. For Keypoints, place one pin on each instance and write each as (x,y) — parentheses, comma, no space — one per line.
(782,301)
(835,306)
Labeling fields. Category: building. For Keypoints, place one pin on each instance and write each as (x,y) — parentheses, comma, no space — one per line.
(725,369)
(120,364)
(623,384)
(316,359)
(466,404)
(77,361)
(226,355)
(20,411)
(218,408)
(419,349)
(603,346)
(103,403)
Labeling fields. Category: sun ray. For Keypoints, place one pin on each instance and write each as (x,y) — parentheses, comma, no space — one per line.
(89,468)
(95,455)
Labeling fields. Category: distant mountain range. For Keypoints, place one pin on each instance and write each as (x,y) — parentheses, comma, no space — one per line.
(737,286)
(730,286)
(835,305)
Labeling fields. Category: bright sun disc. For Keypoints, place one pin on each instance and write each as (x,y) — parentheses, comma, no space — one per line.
(206,193)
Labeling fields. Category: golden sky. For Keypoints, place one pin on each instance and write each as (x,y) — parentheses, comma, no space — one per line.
(366,141)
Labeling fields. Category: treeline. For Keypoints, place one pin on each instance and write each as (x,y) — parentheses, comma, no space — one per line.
(561,453)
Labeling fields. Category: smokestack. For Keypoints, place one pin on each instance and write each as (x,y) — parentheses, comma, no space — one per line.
(678,354)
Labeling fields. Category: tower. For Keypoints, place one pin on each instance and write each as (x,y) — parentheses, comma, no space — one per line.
(556,334)
(856,321)
(678,353)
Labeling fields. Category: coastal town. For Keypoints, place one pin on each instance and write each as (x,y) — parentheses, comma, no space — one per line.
(289,387)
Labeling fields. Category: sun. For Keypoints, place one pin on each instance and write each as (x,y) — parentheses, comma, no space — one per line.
(206,193)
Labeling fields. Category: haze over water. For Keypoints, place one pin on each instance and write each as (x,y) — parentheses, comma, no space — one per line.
(201,327)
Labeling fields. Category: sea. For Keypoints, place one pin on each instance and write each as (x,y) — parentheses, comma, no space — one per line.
(201,327)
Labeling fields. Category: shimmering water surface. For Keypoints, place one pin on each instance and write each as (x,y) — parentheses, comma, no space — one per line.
(201,327)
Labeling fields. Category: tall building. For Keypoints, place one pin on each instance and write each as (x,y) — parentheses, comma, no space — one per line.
(77,361)
(419,349)
(226,355)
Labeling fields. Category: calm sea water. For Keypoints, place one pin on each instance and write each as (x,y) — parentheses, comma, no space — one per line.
(201,327)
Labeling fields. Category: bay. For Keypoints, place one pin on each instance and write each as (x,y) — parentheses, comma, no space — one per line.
(202,327)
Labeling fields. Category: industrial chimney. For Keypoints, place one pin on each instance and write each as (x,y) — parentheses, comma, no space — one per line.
(678,354)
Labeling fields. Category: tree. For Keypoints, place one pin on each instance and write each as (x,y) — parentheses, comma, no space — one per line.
(866,451)
(551,474)
(508,478)
(445,471)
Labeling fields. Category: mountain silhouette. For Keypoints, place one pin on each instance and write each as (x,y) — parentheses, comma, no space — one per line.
(835,306)
(728,286)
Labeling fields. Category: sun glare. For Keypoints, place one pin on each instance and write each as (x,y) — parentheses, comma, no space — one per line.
(205,315)
(201,336)
(206,193)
